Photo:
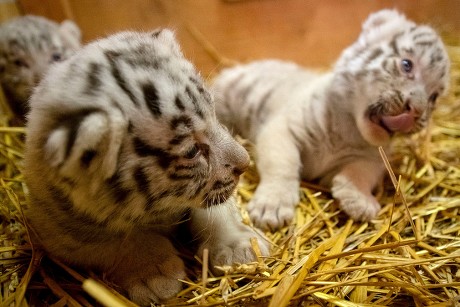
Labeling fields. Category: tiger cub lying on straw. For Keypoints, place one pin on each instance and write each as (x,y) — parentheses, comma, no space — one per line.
(310,126)
(28,46)
(123,147)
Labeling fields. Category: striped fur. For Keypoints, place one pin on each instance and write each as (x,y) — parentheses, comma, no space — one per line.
(123,146)
(28,45)
(327,127)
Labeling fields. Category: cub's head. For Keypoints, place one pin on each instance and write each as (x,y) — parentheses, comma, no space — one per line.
(126,127)
(394,73)
(28,45)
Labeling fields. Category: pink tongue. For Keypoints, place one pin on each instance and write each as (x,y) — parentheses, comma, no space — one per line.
(399,123)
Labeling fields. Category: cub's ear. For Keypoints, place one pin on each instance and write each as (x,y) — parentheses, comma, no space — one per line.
(168,38)
(379,18)
(87,144)
(71,33)
(381,25)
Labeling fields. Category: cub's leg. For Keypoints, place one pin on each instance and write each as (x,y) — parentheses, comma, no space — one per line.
(278,163)
(353,186)
(149,268)
(222,232)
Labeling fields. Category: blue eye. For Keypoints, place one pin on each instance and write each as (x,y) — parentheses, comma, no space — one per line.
(407,65)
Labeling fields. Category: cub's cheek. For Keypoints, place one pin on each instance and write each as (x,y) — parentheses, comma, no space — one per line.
(373,133)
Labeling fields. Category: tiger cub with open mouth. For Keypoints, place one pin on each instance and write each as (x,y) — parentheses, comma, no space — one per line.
(307,125)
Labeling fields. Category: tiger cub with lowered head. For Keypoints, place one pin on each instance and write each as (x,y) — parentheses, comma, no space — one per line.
(310,126)
(28,46)
(123,152)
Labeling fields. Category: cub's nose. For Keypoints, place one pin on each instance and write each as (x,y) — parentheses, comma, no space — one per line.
(241,163)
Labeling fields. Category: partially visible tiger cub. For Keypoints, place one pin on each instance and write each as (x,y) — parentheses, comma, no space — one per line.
(310,126)
(28,45)
(122,148)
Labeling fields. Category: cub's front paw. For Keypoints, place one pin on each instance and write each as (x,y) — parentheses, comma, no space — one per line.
(357,205)
(236,248)
(154,282)
(270,212)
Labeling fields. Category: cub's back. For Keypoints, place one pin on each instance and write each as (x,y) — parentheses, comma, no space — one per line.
(249,95)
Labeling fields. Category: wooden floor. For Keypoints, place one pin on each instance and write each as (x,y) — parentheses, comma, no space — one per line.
(311,33)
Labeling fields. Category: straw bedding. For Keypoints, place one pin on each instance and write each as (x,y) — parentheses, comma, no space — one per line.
(409,256)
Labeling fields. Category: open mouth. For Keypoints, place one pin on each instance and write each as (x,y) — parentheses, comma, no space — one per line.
(403,122)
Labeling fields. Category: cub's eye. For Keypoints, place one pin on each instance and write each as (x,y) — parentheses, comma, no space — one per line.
(56,57)
(192,153)
(20,63)
(433,97)
(406,65)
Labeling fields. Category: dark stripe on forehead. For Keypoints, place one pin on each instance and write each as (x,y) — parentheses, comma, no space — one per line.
(145,150)
(179,104)
(181,120)
(93,80)
(152,99)
(422,34)
(374,54)
(427,43)
(394,44)
(201,89)
(195,102)
(117,75)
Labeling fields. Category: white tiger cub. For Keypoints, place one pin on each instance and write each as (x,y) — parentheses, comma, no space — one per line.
(310,126)
(28,46)
(124,152)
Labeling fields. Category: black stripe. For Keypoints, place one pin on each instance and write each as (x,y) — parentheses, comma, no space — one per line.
(142,181)
(144,150)
(374,54)
(72,122)
(201,89)
(199,189)
(182,119)
(111,57)
(80,226)
(119,192)
(178,139)
(221,184)
(425,43)
(93,80)
(152,99)
(175,176)
(87,156)
(393,43)
(194,100)
(179,104)
(184,167)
